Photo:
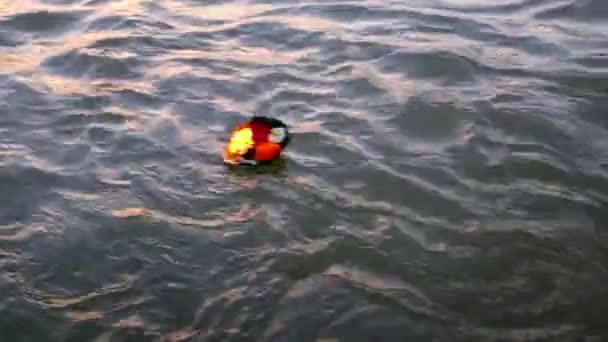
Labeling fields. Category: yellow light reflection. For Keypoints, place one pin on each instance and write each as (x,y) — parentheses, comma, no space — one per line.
(238,53)
(225,12)
(241,141)
(29,57)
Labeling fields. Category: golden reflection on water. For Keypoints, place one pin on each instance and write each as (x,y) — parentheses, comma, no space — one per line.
(15,62)
(237,53)
(28,58)
(121,8)
(233,15)
(253,13)
(64,85)
(129,212)
(134,321)
(226,12)
(84,315)
(12,7)
(31,56)
(236,214)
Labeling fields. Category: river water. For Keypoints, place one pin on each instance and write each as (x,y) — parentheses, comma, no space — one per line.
(447,178)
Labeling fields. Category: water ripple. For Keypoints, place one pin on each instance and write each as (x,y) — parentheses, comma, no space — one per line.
(447,180)
(43,21)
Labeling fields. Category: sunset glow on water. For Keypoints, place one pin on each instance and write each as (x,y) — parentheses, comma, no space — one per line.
(447,177)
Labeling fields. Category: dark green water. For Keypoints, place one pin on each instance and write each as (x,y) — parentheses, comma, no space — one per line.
(447,178)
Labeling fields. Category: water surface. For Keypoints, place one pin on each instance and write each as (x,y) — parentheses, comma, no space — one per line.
(447,178)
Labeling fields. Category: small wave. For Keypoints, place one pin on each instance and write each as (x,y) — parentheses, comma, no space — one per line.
(19,233)
(109,117)
(142,45)
(22,199)
(597,62)
(447,67)
(449,168)
(94,63)
(431,122)
(501,8)
(125,23)
(586,10)
(10,40)
(44,21)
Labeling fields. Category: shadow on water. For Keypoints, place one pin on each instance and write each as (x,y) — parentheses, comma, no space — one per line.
(276,168)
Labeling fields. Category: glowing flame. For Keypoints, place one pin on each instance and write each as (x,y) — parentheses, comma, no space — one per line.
(240,141)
